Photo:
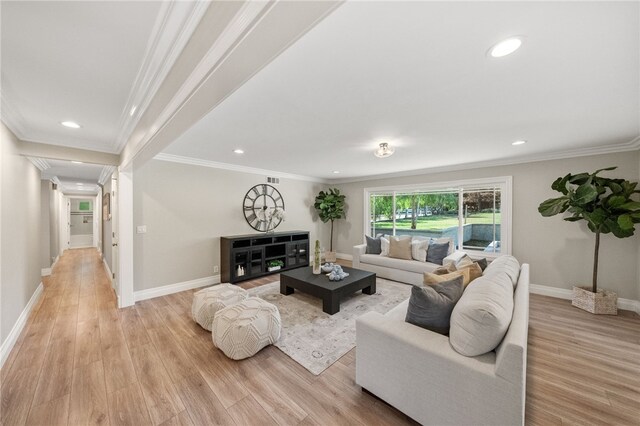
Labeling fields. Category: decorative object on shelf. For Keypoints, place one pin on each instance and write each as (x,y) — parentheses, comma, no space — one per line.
(274,265)
(330,206)
(106,207)
(337,274)
(607,207)
(260,205)
(317,261)
(383,150)
(327,267)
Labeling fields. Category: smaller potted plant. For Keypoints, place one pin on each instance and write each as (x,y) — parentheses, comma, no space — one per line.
(330,206)
(274,265)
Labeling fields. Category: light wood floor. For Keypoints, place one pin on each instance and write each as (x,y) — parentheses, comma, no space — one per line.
(80,360)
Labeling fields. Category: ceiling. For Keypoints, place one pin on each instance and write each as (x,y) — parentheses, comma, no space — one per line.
(417,75)
(97,63)
(74,178)
(72,61)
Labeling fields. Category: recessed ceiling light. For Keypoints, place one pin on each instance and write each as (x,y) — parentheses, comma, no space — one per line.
(76,162)
(71,124)
(133,110)
(518,142)
(336,171)
(505,47)
(384,150)
(238,151)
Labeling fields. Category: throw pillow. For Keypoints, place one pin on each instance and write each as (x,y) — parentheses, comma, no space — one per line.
(507,264)
(475,271)
(466,260)
(430,307)
(430,278)
(481,317)
(419,250)
(445,269)
(437,252)
(482,263)
(384,246)
(400,247)
(374,245)
(445,240)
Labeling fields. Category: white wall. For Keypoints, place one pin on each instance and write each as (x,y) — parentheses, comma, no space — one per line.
(560,253)
(20,222)
(188,208)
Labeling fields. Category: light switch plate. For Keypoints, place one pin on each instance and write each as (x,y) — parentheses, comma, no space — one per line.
(141,229)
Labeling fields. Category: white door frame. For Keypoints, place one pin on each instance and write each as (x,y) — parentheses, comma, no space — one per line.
(125,237)
(68,217)
(64,223)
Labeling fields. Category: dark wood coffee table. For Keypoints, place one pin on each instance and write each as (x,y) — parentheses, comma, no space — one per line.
(330,292)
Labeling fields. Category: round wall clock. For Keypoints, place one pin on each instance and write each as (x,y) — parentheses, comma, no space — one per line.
(258,202)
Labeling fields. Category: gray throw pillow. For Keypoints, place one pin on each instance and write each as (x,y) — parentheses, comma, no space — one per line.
(374,245)
(430,306)
(482,263)
(437,252)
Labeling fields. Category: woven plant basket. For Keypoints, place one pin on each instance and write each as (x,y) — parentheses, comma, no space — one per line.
(601,303)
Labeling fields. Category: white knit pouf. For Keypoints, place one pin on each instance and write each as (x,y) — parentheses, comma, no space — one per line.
(210,300)
(241,330)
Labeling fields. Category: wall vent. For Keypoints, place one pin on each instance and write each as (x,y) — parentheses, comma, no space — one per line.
(273,180)
(54,186)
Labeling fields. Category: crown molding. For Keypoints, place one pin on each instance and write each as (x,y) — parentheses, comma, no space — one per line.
(40,163)
(242,23)
(235,168)
(107,171)
(632,145)
(172,30)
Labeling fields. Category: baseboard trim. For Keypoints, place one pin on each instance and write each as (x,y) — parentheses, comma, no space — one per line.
(565,293)
(12,338)
(45,272)
(108,270)
(344,256)
(175,288)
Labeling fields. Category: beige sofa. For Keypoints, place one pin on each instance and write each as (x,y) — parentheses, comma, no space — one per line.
(418,371)
(405,271)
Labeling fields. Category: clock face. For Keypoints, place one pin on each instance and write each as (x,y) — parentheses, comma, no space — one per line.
(257,205)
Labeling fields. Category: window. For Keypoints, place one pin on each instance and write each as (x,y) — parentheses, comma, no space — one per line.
(476,214)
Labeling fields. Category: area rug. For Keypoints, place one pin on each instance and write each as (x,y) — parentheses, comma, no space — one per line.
(315,339)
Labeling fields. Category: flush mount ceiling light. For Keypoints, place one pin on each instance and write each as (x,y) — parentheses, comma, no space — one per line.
(505,47)
(516,143)
(71,124)
(76,162)
(335,172)
(384,150)
(238,151)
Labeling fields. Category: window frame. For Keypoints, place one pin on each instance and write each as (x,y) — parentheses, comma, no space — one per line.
(504,183)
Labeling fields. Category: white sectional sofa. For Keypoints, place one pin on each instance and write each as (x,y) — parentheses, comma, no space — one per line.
(419,372)
(405,271)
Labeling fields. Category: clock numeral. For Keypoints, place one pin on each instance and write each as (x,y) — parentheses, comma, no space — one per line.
(252,217)
(248,207)
(255,190)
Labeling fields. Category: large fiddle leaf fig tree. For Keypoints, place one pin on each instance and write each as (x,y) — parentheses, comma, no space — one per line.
(330,206)
(605,204)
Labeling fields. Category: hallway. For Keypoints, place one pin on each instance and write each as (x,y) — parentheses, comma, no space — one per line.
(80,360)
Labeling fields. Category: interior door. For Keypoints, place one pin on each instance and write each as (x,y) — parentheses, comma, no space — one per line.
(114,236)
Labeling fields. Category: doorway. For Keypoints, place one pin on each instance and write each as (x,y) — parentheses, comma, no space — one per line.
(81,222)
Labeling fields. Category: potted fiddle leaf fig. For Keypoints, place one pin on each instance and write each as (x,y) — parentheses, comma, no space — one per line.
(330,206)
(608,208)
